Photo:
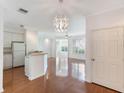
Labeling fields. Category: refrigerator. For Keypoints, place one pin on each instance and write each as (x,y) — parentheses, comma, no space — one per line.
(18,54)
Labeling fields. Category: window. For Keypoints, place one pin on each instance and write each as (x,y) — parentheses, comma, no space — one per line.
(64,48)
(79,46)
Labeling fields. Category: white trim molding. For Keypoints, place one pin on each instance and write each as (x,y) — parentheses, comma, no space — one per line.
(1,90)
(1,49)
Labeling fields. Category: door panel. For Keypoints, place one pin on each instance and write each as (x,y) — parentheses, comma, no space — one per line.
(108,67)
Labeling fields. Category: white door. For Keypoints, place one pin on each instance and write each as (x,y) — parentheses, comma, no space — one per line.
(108,62)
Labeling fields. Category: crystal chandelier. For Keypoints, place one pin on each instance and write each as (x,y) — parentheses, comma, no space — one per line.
(61,22)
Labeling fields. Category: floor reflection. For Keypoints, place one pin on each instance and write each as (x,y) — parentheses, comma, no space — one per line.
(78,71)
(61,67)
(63,76)
(65,67)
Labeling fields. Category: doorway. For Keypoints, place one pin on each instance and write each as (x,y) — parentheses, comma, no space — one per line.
(67,64)
(61,57)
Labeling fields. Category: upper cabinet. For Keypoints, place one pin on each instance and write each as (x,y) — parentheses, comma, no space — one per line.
(11,36)
(17,37)
(7,39)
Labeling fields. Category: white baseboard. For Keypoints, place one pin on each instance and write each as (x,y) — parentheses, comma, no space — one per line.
(1,90)
(89,81)
(35,77)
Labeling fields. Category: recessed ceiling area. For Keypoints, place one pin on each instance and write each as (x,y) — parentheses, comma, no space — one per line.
(41,12)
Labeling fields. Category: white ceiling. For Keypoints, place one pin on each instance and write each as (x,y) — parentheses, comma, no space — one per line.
(42,12)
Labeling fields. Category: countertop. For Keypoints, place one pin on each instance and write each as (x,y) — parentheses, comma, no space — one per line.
(7,50)
(36,53)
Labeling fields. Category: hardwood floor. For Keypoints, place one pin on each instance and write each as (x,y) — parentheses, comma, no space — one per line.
(69,79)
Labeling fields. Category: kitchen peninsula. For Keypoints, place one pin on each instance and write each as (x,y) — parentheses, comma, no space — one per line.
(35,64)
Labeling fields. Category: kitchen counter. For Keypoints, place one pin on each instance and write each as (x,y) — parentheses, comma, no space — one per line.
(7,50)
(36,54)
(35,65)
(7,58)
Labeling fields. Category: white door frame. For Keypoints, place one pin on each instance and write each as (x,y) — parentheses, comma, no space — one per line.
(1,47)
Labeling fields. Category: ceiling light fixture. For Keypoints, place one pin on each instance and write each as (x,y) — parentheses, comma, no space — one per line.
(61,22)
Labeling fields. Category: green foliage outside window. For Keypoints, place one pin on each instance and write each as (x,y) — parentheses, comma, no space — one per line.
(64,49)
(78,50)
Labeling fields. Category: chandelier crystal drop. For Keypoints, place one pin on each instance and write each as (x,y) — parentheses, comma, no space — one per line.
(61,23)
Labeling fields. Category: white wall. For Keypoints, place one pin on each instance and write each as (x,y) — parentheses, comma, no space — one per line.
(9,36)
(77,25)
(53,47)
(1,50)
(108,19)
(38,41)
(32,41)
(12,36)
(45,44)
(46,41)
(104,20)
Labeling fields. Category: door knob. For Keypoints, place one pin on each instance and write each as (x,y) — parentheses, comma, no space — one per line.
(92,59)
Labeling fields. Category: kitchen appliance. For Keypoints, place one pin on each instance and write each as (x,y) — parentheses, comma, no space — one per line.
(18,54)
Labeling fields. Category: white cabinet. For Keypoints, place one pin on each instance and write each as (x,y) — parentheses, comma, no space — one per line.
(7,39)
(27,66)
(11,36)
(18,59)
(7,61)
(35,66)
(17,37)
